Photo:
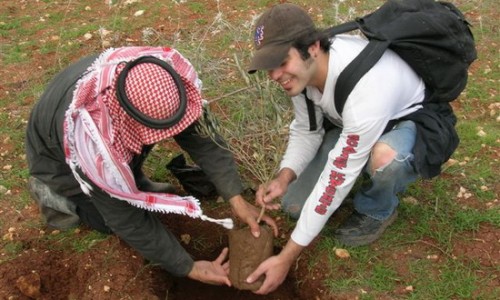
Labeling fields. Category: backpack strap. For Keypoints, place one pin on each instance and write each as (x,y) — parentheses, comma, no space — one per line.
(363,62)
(350,76)
(342,28)
(310,112)
(356,69)
(338,29)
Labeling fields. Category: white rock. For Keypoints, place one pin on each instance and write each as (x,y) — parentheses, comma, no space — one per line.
(342,253)
(138,13)
(481,133)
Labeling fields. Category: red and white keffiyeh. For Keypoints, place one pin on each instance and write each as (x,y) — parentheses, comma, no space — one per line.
(100,138)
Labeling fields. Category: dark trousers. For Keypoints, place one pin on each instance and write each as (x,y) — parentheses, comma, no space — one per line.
(88,213)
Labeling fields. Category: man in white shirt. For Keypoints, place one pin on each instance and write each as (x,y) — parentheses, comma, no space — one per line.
(320,166)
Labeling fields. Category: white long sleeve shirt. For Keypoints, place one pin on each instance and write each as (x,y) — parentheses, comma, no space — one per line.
(388,91)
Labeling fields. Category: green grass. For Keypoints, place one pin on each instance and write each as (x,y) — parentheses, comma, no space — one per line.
(382,278)
(369,271)
(453,281)
(92,239)
(470,219)
(11,250)
(196,7)
(13,54)
(73,240)
(5,27)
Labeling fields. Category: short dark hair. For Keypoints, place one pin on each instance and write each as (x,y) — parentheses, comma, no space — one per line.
(303,42)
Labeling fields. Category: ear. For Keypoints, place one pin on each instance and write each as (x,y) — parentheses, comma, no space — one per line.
(314,49)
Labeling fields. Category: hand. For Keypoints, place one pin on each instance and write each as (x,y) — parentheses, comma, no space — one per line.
(248,213)
(274,189)
(212,272)
(275,269)
(267,192)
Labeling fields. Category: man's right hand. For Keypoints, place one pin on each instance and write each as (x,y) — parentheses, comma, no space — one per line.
(276,268)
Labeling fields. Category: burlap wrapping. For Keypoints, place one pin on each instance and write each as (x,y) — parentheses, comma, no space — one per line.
(246,253)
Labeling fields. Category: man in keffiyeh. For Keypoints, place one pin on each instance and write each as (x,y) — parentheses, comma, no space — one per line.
(85,153)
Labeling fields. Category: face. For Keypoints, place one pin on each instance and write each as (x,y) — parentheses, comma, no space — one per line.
(294,73)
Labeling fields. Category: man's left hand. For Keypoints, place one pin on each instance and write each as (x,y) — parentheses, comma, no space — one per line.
(275,270)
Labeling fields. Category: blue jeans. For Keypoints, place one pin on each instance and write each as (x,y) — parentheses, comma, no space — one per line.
(378,199)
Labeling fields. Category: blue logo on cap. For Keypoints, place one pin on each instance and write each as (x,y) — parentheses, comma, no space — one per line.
(259,35)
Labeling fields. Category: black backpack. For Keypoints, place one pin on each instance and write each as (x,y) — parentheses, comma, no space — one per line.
(432,37)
